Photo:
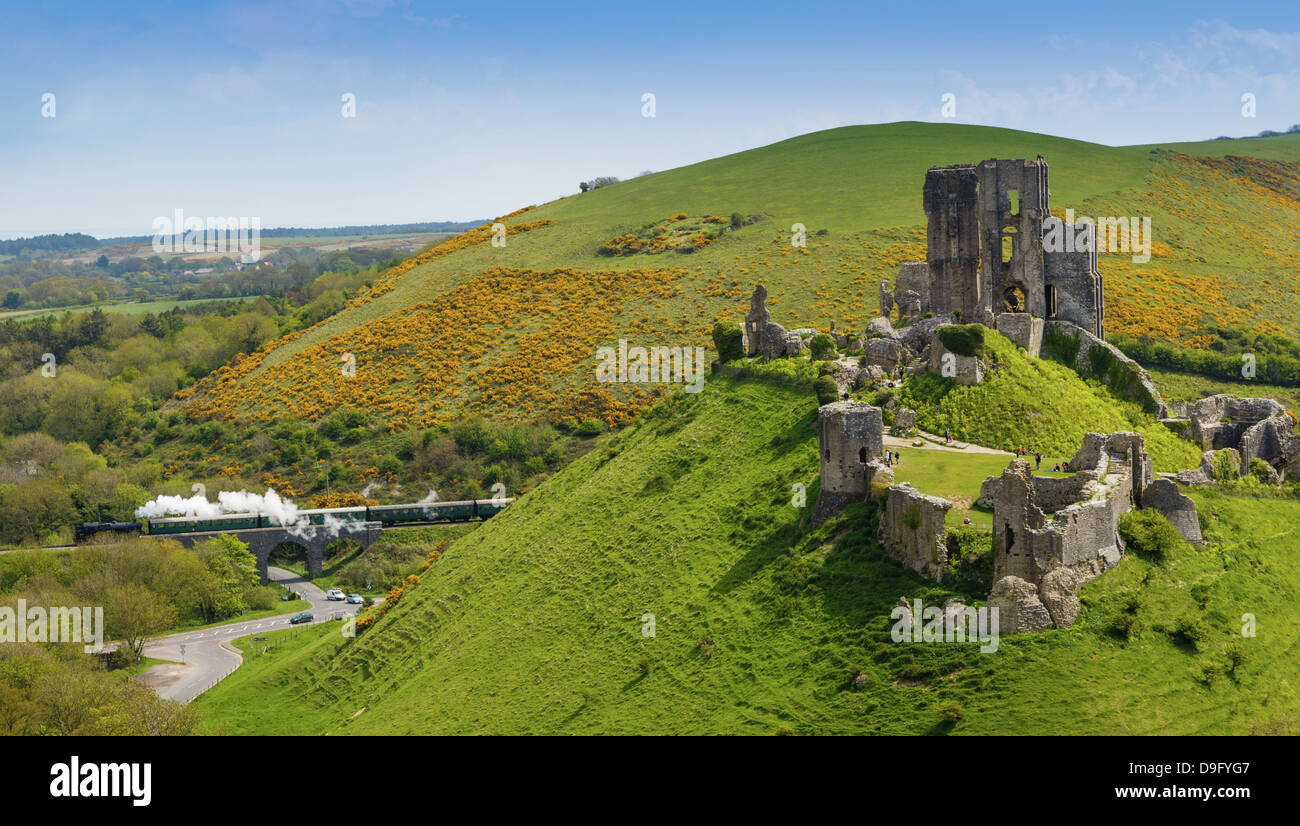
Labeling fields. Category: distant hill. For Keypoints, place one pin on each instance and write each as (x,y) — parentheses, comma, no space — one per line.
(329,232)
(56,244)
(512,330)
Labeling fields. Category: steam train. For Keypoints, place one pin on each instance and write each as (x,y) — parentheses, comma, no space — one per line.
(387,514)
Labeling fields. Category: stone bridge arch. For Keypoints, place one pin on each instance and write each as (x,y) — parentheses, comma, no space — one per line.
(314,539)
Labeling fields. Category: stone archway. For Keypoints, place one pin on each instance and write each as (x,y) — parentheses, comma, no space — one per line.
(1015,299)
(288,551)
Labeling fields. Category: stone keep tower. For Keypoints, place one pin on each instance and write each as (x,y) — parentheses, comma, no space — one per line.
(952,234)
(985,250)
(851,435)
(1013,201)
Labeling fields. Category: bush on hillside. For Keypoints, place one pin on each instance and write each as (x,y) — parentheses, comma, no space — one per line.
(1262,470)
(1149,534)
(963,339)
(591,427)
(1225,466)
(728,340)
(1058,345)
(826,389)
(822,347)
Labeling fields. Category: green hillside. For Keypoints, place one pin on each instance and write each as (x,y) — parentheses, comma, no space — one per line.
(533,623)
(441,338)
(1038,404)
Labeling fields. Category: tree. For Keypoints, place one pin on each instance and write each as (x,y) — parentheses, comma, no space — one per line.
(13,300)
(728,340)
(102,262)
(826,389)
(234,570)
(136,614)
(34,509)
(583,186)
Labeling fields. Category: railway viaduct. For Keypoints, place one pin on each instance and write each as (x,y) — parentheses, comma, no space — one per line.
(312,538)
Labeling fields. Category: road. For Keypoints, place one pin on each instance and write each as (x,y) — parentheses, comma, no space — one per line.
(209,657)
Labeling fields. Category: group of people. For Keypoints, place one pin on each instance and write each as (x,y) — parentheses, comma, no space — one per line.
(1061,467)
(892,457)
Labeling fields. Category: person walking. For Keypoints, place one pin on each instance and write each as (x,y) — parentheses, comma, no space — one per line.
(1038,461)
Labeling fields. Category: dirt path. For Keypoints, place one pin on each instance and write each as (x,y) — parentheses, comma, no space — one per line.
(939,444)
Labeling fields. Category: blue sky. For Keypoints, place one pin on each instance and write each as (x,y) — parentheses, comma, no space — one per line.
(472,110)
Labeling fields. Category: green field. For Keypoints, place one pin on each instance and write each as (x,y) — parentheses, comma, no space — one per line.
(534,622)
(123,308)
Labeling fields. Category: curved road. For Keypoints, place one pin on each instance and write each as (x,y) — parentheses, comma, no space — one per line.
(209,657)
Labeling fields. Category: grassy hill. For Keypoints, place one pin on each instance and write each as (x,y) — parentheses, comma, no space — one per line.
(536,622)
(512,330)
(1039,404)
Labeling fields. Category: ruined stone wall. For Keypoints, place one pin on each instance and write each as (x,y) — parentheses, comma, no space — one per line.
(912,289)
(1023,329)
(912,530)
(1040,561)
(1073,286)
(963,369)
(952,241)
(1125,376)
(1022,223)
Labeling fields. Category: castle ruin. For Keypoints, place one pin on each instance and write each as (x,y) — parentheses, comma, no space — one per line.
(985,250)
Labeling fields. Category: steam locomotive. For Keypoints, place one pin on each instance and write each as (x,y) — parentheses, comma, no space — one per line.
(387,514)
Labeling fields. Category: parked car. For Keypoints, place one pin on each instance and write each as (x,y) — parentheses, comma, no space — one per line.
(334,593)
(355,599)
(303,617)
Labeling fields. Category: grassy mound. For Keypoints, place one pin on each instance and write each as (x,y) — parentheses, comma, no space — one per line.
(540,620)
(1040,404)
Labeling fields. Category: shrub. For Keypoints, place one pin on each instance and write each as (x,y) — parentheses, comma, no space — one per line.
(1261,470)
(1149,534)
(822,347)
(591,427)
(826,389)
(728,340)
(1059,345)
(1126,624)
(1191,630)
(737,220)
(963,339)
(951,712)
(1225,466)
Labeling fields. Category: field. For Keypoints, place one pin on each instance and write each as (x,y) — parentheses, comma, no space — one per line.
(669,582)
(123,308)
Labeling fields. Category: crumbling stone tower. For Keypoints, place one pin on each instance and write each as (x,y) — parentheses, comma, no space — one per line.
(851,437)
(953,241)
(985,228)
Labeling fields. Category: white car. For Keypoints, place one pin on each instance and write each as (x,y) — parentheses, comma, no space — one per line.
(355,599)
(334,594)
